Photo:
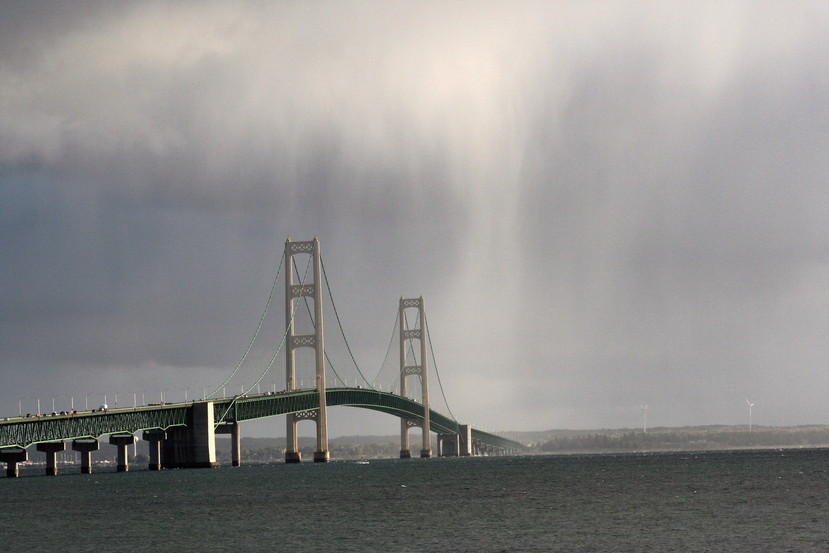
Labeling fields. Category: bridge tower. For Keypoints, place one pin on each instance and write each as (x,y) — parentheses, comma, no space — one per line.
(293,293)
(421,369)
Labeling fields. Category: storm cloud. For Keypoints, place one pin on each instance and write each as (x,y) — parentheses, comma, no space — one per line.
(603,205)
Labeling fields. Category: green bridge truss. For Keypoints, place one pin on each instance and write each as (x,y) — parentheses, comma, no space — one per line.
(23,432)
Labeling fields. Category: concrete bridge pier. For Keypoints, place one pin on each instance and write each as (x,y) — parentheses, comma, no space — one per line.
(321,454)
(464,440)
(154,439)
(448,445)
(85,446)
(233,429)
(204,435)
(292,453)
(194,445)
(12,456)
(293,456)
(51,449)
(456,445)
(405,451)
(123,441)
(405,446)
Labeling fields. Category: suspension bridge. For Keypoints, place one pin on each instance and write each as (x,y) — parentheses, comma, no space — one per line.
(182,435)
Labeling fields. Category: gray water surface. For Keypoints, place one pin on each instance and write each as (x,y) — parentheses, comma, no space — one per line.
(743,501)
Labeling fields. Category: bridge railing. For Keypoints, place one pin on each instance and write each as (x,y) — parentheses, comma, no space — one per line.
(260,406)
(496,440)
(23,432)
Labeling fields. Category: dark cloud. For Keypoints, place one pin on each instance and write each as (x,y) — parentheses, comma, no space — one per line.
(602,206)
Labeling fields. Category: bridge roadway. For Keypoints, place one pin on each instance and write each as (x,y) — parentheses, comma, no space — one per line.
(22,432)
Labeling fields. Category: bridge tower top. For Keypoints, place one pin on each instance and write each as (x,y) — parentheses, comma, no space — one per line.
(414,367)
(302,291)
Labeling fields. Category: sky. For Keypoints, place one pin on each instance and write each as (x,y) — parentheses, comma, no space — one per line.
(604,205)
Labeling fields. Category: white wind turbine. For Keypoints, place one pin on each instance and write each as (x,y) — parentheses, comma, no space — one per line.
(750,405)
(645,418)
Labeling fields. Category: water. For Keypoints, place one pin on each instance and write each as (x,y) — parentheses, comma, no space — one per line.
(746,501)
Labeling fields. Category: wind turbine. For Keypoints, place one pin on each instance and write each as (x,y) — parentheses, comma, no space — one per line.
(750,405)
(645,418)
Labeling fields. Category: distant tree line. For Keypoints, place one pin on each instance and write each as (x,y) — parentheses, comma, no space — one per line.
(267,454)
(266,450)
(680,439)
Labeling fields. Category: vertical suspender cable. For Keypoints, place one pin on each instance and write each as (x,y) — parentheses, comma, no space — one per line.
(440,384)
(308,309)
(337,315)
(388,349)
(275,354)
(255,334)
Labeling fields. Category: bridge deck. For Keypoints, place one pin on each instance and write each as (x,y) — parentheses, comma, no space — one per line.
(25,431)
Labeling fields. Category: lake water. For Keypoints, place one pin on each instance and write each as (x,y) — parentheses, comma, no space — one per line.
(743,501)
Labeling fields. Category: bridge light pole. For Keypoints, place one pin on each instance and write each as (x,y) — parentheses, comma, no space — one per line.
(20,406)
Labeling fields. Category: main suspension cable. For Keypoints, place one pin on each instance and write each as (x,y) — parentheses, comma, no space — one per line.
(388,349)
(255,334)
(275,354)
(339,323)
(434,362)
(324,352)
(285,334)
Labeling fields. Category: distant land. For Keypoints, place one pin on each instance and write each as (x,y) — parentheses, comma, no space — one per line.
(687,438)
(548,442)
(684,438)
